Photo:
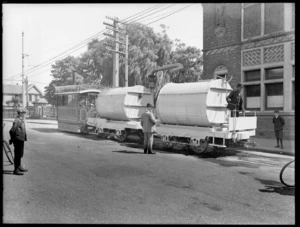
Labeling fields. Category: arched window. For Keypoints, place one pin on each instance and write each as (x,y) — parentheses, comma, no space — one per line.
(220,71)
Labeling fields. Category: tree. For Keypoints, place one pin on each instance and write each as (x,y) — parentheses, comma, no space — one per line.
(15,100)
(50,94)
(147,50)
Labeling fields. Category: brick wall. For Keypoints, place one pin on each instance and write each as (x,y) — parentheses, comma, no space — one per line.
(227,45)
(265,127)
(232,25)
(232,61)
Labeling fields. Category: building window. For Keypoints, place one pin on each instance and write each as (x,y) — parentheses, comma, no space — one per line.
(274,17)
(274,96)
(274,73)
(252,21)
(30,98)
(253,98)
(253,75)
(293,15)
(293,95)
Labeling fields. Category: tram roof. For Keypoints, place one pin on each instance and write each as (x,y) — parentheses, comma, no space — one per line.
(77,89)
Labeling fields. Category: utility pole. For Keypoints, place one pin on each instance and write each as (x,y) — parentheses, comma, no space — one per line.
(126,61)
(114,43)
(23,77)
(26,86)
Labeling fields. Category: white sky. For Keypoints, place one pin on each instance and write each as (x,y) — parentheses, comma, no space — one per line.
(52,29)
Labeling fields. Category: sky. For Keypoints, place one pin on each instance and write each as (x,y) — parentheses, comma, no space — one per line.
(51,31)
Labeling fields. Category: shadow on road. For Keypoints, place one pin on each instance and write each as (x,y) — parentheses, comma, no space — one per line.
(272,186)
(215,153)
(7,171)
(47,130)
(279,190)
(129,152)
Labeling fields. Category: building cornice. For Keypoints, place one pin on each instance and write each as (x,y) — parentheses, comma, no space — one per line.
(253,43)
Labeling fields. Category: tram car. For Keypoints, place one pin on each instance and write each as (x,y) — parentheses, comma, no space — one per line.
(194,114)
(75,103)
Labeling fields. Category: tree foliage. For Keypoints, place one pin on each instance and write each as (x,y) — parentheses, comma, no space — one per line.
(147,50)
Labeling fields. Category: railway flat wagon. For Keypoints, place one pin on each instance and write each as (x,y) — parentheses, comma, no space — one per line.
(119,111)
(196,114)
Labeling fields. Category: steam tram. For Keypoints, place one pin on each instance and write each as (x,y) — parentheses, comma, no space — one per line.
(75,103)
(194,114)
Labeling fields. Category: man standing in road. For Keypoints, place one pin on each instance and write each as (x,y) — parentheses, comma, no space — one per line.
(278,122)
(148,122)
(235,101)
(18,136)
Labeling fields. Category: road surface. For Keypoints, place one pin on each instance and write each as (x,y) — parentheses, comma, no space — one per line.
(88,180)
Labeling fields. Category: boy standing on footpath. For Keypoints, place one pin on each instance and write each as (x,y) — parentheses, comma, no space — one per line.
(18,136)
(278,122)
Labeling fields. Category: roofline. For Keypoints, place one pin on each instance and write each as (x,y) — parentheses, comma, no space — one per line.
(78,92)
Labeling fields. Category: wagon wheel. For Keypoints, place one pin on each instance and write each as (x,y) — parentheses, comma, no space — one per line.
(201,148)
(168,145)
(122,137)
(141,134)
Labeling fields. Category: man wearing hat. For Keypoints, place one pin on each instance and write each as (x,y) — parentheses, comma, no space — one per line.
(18,136)
(235,101)
(148,123)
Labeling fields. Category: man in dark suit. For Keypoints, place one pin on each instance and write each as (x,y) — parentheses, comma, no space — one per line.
(18,136)
(148,123)
(278,122)
(235,101)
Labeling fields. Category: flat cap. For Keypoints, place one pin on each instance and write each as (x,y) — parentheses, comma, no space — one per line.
(21,110)
(149,105)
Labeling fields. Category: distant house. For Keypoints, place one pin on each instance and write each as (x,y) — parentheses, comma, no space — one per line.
(10,91)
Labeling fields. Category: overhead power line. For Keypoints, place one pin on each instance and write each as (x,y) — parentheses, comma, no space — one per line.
(133,19)
(168,15)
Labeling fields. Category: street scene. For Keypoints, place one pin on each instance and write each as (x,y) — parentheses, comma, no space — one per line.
(180,113)
(75,178)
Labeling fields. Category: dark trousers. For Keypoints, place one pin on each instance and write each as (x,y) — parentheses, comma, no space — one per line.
(279,135)
(19,151)
(237,114)
(148,142)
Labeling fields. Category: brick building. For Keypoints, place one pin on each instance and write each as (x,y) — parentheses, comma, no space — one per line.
(255,44)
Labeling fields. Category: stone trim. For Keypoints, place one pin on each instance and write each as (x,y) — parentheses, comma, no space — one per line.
(270,41)
(223,50)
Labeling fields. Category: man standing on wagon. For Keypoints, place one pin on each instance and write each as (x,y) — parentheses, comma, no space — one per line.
(235,101)
(148,123)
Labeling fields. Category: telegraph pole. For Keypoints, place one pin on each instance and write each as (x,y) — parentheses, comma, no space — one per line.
(126,62)
(23,77)
(114,43)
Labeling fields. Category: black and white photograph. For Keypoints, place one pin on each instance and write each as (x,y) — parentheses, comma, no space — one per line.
(148,113)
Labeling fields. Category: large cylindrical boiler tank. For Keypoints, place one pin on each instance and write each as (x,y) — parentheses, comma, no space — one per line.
(123,103)
(201,103)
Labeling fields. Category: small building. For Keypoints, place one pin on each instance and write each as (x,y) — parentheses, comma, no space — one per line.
(10,91)
(38,108)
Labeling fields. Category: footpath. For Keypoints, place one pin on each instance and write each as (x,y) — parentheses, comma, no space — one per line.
(263,145)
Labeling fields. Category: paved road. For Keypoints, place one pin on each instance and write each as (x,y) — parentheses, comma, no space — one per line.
(85,179)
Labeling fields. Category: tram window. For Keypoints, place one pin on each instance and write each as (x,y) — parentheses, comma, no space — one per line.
(82,100)
(92,98)
(64,100)
(59,100)
(72,100)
